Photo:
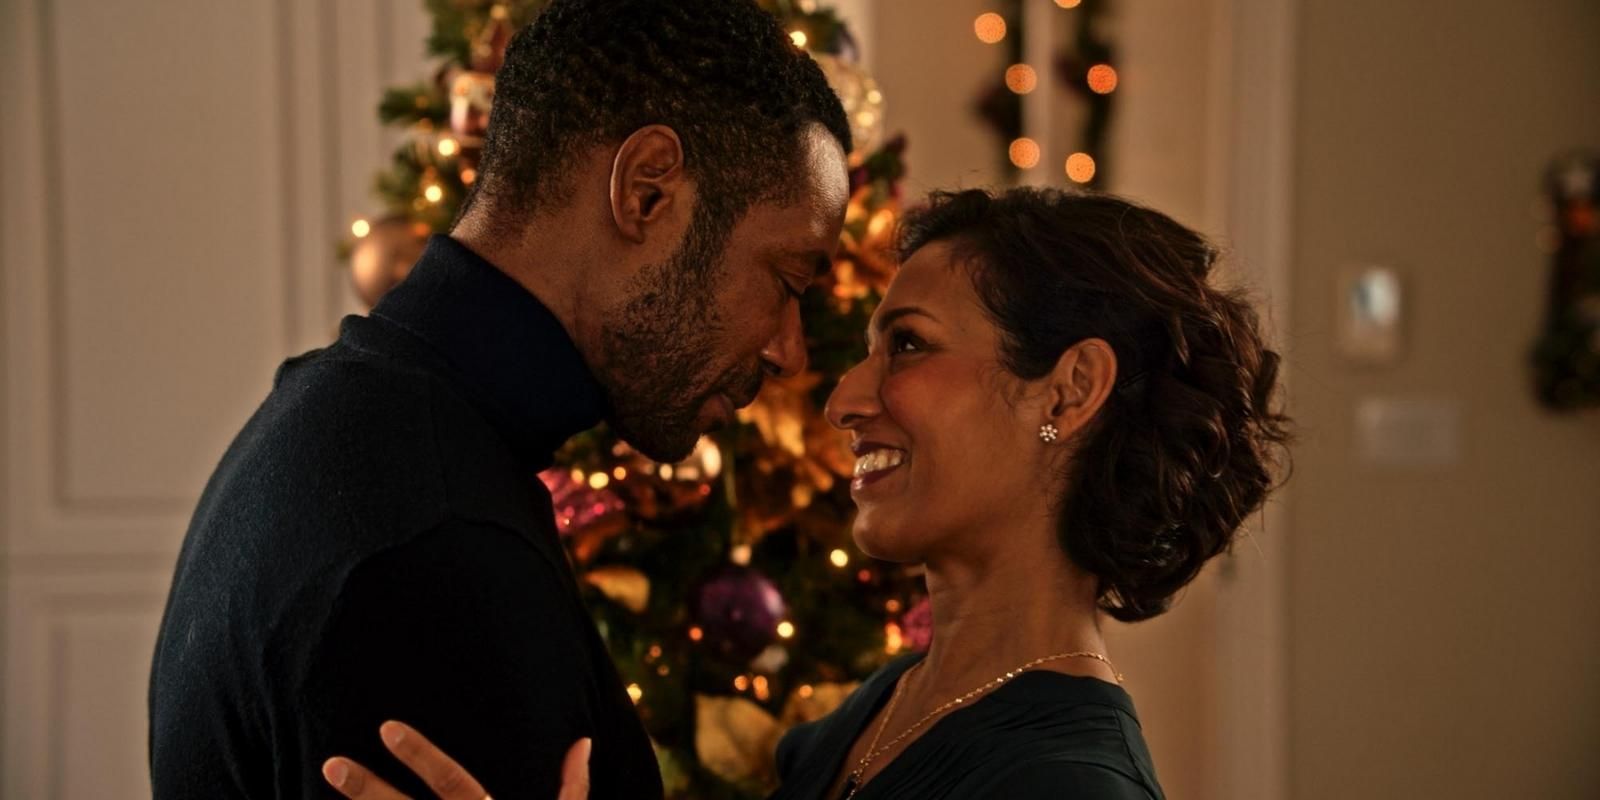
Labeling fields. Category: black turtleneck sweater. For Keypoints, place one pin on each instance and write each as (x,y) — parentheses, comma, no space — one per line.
(376,545)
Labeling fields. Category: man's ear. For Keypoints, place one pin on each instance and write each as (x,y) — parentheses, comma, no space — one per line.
(647,179)
(1079,385)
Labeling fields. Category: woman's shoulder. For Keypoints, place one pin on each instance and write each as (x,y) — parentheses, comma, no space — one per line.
(1067,779)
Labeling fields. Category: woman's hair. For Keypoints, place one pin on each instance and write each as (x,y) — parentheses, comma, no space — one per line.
(1189,442)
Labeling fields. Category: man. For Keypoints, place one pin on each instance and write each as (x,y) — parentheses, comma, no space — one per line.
(660,182)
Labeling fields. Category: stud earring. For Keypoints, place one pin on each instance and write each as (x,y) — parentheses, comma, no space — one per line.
(1048,433)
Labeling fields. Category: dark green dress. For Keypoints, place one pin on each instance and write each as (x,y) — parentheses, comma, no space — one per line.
(1042,735)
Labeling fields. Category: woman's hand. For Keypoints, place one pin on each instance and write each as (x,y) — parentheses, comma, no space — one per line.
(442,774)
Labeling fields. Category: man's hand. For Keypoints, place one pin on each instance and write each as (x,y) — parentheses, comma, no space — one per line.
(440,772)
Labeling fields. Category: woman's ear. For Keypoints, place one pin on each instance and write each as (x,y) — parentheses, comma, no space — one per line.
(1079,385)
(647,180)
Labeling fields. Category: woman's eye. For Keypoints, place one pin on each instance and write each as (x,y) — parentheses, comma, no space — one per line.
(903,342)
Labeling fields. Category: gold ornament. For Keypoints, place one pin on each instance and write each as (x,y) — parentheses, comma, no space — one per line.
(625,586)
(814,701)
(861,98)
(471,96)
(735,739)
(383,257)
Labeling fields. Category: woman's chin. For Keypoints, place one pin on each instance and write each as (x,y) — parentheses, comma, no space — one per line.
(885,542)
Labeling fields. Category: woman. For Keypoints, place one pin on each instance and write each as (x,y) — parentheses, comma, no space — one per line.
(1060,418)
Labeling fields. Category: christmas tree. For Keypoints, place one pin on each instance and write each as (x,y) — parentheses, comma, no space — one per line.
(726,586)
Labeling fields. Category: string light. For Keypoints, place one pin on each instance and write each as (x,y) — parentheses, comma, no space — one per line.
(1021,78)
(741,683)
(1080,167)
(360,228)
(433,192)
(798,37)
(620,473)
(760,685)
(740,554)
(989,27)
(695,634)
(893,606)
(578,476)
(448,147)
(1025,153)
(1068,3)
(655,651)
(663,670)
(786,630)
(666,472)
(469,175)
(599,480)
(839,558)
(1102,79)
(806,691)
(635,692)
(893,639)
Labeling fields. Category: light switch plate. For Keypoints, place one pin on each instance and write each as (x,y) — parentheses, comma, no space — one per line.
(1409,432)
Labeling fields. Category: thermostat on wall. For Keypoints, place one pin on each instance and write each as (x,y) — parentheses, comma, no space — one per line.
(1371,305)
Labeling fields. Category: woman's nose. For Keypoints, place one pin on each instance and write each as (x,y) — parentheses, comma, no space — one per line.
(855,399)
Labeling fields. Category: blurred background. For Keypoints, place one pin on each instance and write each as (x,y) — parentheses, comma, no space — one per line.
(186,197)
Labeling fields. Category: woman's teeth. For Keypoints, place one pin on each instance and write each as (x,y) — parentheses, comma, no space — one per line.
(878,460)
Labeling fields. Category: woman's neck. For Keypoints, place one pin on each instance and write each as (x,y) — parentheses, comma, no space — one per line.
(990,617)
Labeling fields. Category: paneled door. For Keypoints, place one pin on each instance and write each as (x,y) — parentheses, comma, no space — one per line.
(174,175)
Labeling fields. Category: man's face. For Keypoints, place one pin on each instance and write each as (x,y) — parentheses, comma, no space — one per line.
(696,335)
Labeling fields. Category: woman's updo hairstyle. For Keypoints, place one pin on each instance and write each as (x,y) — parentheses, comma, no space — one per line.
(1189,443)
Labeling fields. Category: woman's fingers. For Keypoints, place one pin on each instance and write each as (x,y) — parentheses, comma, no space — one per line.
(575,771)
(442,774)
(357,782)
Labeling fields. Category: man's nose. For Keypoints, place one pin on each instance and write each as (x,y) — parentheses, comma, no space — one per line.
(785,355)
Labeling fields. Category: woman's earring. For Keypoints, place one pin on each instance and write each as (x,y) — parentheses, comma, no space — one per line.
(1048,433)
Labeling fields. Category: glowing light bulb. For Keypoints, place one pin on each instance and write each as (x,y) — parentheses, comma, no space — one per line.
(1068,3)
(989,27)
(433,192)
(741,683)
(1102,79)
(806,690)
(620,473)
(360,228)
(1025,153)
(599,480)
(786,630)
(893,639)
(798,37)
(1021,78)
(448,147)
(1080,167)
(696,634)
(839,558)
(635,692)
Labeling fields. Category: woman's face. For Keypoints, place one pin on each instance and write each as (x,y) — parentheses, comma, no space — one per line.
(946,441)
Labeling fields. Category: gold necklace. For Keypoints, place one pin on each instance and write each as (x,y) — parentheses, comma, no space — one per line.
(853,783)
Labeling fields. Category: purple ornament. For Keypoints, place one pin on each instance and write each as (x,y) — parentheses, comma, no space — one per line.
(738,609)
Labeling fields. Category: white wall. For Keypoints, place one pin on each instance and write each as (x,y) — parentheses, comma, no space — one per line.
(1445,621)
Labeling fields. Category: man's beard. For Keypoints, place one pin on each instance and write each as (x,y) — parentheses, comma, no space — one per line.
(662,341)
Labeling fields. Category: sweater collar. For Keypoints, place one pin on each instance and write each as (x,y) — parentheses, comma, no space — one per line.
(506,346)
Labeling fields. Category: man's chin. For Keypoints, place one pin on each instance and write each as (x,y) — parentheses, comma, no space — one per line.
(662,444)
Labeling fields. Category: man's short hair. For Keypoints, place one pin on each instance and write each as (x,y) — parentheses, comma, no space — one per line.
(721,73)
